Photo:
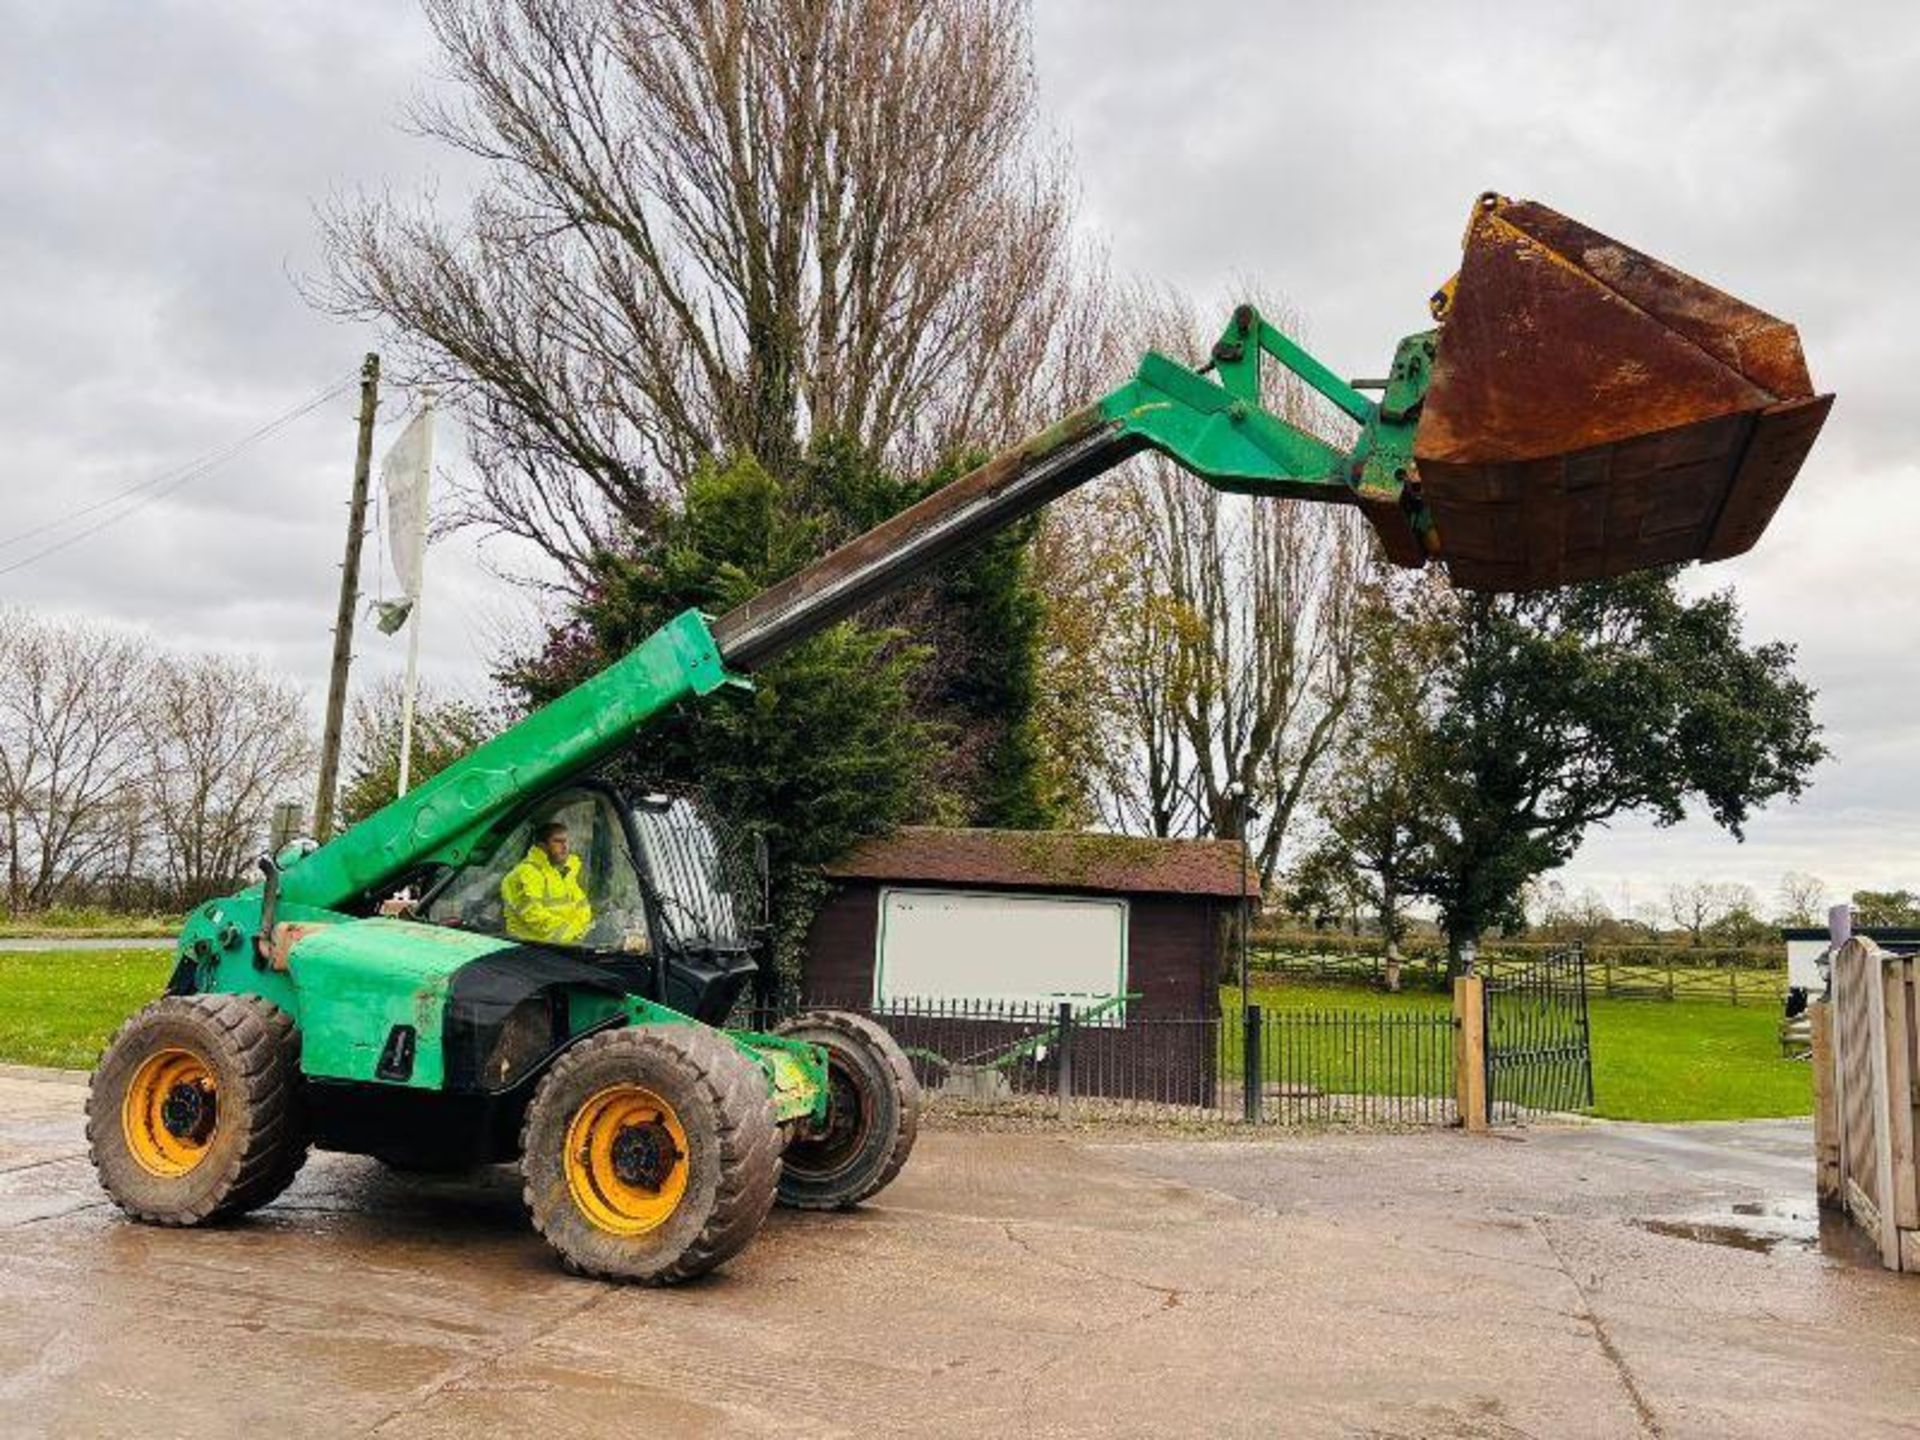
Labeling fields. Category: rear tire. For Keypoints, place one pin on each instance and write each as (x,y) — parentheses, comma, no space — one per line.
(650,1154)
(193,1113)
(872,1121)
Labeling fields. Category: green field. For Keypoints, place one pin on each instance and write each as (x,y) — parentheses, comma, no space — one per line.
(1692,1060)
(1357,1041)
(60,1007)
(1652,1060)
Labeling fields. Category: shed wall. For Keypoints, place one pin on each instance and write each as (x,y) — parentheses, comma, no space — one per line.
(1174,948)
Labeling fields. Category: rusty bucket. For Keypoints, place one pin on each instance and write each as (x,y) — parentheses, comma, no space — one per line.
(1593,411)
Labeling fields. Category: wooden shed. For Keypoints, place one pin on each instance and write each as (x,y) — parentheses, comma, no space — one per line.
(1029,916)
(1020,921)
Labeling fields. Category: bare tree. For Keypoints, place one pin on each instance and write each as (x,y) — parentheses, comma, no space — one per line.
(70,697)
(224,740)
(446,727)
(1585,917)
(1227,650)
(1212,635)
(1803,898)
(715,226)
(1697,905)
(1374,816)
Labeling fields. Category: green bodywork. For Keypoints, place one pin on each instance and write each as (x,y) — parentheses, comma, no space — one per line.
(1218,429)
(350,980)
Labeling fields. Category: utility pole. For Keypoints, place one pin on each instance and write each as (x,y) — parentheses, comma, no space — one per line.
(349,598)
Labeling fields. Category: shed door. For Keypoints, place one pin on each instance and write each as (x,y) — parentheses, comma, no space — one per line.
(1031,949)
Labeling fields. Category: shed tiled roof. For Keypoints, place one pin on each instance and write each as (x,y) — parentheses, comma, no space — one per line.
(1051,859)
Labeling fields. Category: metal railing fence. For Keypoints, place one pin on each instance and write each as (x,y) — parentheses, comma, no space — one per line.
(1292,1066)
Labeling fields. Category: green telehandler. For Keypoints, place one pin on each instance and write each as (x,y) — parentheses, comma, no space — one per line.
(1578,410)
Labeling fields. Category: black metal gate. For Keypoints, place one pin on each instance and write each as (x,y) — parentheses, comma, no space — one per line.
(1539,1055)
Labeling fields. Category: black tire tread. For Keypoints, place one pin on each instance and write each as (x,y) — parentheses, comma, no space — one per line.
(875,1038)
(263,1040)
(749,1143)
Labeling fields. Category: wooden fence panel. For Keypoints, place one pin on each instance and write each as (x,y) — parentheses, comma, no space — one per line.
(1875,1048)
(1897,990)
(1826,1120)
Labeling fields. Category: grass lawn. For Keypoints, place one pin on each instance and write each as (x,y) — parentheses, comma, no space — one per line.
(60,1007)
(1689,1060)
(1652,1059)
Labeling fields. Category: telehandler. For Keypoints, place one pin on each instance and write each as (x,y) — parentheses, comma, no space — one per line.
(1578,410)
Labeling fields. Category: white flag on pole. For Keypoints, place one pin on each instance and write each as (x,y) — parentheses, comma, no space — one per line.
(406,472)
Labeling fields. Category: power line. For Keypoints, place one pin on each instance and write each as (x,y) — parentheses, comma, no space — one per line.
(212,457)
(164,484)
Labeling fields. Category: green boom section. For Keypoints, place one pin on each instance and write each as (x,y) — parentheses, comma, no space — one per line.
(440,821)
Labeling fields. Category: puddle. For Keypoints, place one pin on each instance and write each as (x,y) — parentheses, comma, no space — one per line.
(1772,1227)
(1729,1235)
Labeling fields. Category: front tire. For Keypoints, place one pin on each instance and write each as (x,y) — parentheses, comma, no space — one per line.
(193,1113)
(873,1114)
(650,1154)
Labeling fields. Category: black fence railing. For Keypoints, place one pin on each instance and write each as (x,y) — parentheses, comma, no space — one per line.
(1538,1040)
(1263,1066)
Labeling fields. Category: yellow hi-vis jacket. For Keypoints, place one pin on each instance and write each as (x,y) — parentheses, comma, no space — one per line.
(545,903)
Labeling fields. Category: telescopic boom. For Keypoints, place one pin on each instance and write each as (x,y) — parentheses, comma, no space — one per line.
(1581,411)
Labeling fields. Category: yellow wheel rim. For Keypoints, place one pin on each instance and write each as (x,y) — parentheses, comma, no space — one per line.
(626,1160)
(170,1113)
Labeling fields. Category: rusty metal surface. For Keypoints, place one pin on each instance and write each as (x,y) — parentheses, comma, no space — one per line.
(1782,436)
(1594,411)
(1013,483)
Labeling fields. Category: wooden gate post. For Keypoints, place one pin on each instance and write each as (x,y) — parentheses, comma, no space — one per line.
(1470,1051)
(1826,1118)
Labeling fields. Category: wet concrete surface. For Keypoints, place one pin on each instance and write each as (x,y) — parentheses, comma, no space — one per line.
(1552,1282)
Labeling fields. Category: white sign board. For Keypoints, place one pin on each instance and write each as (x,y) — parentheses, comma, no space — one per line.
(1803,964)
(1020,949)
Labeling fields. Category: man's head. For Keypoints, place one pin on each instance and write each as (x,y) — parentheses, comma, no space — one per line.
(551,836)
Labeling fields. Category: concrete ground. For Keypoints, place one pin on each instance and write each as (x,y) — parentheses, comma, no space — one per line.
(1598,1280)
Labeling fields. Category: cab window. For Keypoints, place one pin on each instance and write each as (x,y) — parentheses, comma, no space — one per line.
(473,899)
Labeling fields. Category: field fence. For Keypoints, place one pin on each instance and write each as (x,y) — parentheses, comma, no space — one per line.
(1648,972)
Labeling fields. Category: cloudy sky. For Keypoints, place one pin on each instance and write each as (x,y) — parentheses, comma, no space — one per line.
(162,163)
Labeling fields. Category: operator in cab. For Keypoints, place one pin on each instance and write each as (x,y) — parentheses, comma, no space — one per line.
(542,896)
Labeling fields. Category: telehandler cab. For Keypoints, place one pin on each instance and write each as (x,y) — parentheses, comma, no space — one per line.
(1579,410)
